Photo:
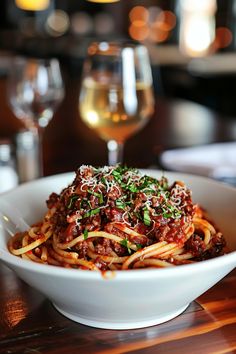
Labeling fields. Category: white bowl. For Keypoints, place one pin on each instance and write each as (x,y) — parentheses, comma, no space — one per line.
(125,299)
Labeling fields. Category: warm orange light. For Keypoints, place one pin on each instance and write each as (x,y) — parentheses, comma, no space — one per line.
(223,37)
(32,5)
(158,35)
(166,20)
(138,13)
(151,23)
(139,31)
(14,311)
(139,23)
(161,27)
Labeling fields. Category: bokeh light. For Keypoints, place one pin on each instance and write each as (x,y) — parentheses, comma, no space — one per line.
(138,13)
(166,20)
(152,23)
(139,31)
(57,23)
(223,38)
(197,29)
(158,35)
(32,5)
(81,23)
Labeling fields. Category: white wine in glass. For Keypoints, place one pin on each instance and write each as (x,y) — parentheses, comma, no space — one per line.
(35,89)
(116,97)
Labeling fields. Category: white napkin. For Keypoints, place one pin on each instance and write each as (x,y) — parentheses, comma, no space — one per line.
(214,160)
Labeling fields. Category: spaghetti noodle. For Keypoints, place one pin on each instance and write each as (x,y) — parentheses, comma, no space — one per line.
(115,218)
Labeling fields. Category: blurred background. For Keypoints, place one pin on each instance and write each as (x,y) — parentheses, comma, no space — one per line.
(192,49)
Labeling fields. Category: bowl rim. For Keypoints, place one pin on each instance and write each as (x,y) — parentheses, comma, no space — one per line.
(210,264)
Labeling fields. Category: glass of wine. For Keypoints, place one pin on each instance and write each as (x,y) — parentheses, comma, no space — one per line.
(116,96)
(35,89)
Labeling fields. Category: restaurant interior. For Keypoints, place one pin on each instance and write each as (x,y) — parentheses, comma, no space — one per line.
(149,84)
(192,56)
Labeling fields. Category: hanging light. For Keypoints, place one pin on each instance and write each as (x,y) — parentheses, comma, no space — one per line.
(197,29)
(32,5)
(103,1)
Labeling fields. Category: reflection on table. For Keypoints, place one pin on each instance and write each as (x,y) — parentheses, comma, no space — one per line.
(29,323)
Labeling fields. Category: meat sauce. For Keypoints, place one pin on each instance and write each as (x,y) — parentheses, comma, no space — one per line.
(102,198)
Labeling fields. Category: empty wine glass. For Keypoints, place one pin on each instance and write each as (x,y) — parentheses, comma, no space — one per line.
(116,96)
(35,89)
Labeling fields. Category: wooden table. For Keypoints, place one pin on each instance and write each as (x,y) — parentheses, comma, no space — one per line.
(29,324)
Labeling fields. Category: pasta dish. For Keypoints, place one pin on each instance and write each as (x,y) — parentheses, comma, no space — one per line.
(115,218)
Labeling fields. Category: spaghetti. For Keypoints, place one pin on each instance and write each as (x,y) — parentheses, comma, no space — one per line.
(114,218)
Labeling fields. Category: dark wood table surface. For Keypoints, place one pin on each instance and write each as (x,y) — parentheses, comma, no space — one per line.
(28,321)
(30,324)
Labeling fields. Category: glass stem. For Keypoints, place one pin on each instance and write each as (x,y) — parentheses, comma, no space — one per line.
(115,152)
(38,135)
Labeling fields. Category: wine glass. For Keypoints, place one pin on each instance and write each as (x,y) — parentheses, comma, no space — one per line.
(116,96)
(35,89)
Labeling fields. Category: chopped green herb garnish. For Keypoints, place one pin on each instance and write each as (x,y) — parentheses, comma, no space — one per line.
(147,182)
(170,211)
(167,215)
(146,217)
(116,174)
(98,195)
(120,204)
(91,212)
(72,201)
(103,180)
(133,188)
(125,243)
